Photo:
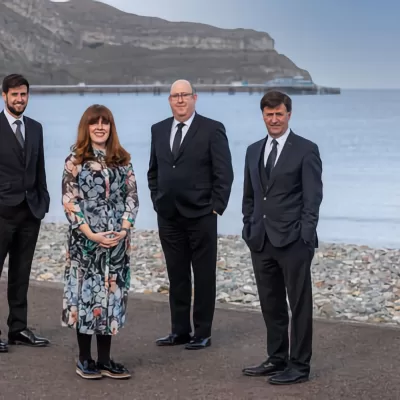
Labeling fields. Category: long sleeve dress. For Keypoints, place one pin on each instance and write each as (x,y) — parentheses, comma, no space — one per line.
(97,279)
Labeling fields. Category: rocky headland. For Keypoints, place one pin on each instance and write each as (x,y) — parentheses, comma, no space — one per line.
(91,42)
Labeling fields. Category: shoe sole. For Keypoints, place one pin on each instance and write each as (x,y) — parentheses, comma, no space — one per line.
(189,347)
(82,375)
(302,380)
(108,374)
(170,344)
(18,343)
(261,375)
(4,351)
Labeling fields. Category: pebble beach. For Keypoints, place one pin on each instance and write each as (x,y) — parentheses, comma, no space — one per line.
(350,282)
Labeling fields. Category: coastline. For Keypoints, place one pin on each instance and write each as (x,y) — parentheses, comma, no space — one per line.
(350,282)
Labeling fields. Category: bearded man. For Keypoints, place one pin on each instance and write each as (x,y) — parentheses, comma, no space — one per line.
(24,201)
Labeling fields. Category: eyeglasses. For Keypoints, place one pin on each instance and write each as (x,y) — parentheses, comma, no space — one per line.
(176,96)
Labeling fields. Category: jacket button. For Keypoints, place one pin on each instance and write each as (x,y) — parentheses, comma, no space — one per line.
(173,166)
(265,198)
(264,216)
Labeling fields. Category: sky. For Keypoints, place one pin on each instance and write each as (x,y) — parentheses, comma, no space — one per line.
(341,43)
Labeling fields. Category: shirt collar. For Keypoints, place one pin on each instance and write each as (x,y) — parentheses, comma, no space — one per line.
(281,139)
(187,122)
(11,119)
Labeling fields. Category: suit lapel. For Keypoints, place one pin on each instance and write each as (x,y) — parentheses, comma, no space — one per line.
(286,151)
(28,141)
(259,161)
(194,126)
(166,137)
(8,133)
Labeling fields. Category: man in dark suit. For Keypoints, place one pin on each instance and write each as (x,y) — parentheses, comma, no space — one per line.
(190,177)
(24,200)
(281,200)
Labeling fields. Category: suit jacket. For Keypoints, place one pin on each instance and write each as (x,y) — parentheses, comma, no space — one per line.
(22,171)
(199,180)
(285,207)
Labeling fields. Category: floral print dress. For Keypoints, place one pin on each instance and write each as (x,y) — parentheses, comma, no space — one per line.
(97,279)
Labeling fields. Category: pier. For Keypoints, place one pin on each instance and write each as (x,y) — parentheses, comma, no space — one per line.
(158,89)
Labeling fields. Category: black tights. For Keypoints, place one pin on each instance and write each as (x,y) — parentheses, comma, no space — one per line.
(103,347)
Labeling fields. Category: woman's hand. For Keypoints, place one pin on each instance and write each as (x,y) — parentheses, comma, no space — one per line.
(102,239)
(120,235)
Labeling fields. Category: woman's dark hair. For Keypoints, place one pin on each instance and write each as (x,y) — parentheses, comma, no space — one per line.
(274,98)
(13,81)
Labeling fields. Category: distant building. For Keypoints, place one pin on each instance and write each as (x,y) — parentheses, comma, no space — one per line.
(290,81)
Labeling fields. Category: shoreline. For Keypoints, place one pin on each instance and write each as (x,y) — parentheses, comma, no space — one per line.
(350,282)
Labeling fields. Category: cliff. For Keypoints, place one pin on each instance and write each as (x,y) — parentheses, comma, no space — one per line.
(91,42)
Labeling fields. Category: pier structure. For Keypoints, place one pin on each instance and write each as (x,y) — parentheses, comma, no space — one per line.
(158,89)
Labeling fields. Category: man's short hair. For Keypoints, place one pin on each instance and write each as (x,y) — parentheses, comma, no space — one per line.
(13,81)
(274,98)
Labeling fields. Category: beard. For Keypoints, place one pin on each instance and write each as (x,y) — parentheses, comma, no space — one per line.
(14,111)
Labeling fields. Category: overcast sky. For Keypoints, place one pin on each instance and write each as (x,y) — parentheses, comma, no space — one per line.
(343,43)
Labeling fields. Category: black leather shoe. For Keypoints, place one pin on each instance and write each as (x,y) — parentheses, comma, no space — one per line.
(288,377)
(264,369)
(3,346)
(88,370)
(27,338)
(113,370)
(173,340)
(198,343)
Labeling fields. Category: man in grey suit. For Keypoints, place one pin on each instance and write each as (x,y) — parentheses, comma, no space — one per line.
(281,200)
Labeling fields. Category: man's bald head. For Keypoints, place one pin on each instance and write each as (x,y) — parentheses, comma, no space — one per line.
(182,100)
(182,85)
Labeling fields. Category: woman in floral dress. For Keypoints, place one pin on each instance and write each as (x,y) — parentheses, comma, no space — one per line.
(99,195)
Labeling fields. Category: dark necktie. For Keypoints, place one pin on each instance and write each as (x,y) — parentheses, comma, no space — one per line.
(18,133)
(271,158)
(177,140)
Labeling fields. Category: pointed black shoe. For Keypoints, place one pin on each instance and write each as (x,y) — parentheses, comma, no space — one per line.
(3,347)
(264,369)
(289,376)
(27,338)
(198,343)
(173,340)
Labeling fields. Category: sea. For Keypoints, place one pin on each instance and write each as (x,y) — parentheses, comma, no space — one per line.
(356,131)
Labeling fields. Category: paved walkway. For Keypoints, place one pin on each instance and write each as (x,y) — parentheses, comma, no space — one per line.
(350,361)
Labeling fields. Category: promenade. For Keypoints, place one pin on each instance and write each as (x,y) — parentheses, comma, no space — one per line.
(351,361)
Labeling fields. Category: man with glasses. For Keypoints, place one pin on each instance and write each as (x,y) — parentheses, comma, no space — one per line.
(281,199)
(190,177)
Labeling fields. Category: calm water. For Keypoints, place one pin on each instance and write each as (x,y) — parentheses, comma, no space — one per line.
(357,133)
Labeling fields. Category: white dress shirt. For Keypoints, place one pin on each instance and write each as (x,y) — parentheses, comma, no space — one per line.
(281,142)
(184,129)
(11,119)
